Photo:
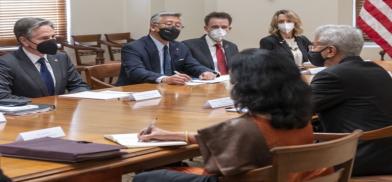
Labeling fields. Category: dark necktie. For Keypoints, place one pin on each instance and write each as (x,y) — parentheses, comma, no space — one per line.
(46,76)
(221,60)
(167,69)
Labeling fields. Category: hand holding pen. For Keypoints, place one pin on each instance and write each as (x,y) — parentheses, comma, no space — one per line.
(176,79)
(148,130)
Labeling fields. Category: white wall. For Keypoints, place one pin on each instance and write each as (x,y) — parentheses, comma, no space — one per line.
(251,17)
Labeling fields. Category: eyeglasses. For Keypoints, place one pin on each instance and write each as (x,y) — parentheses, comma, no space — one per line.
(171,24)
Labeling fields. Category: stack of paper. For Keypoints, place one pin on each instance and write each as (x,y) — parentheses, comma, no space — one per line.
(216,80)
(27,109)
(131,141)
(102,95)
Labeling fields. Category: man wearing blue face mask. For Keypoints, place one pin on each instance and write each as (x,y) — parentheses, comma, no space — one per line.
(36,69)
(211,50)
(157,58)
(352,94)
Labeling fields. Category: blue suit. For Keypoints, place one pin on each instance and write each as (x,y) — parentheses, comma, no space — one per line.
(140,62)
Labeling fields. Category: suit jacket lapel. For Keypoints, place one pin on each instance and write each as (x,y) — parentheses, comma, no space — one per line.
(154,55)
(56,67)
(228,52)
(204,48)
(31,70)
(284,45)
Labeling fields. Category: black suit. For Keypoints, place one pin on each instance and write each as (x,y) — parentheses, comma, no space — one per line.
(140,62)
(279,45)
(19,76)
(357,95)
(201,51)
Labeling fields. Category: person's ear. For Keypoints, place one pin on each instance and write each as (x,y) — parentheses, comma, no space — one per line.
(206,29)
(23,41)
(154,27)
(331,52)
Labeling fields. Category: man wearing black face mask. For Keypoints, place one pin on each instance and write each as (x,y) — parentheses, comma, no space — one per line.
(352,94)
(36,69)
(157,58)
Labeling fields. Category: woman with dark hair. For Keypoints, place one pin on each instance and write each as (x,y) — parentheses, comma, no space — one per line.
(285,37)
(270,87)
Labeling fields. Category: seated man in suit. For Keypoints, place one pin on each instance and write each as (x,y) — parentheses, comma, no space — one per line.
(352,94)
(157,58)
(208,48)
(36,69)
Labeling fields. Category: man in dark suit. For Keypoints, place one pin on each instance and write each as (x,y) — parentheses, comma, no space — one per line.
(352,94)
(157,58)
(208,48)
(36,69)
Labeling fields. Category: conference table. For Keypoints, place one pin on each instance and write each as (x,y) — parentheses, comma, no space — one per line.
(180,108)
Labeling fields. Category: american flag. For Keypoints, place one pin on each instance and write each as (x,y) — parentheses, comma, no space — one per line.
(375,20)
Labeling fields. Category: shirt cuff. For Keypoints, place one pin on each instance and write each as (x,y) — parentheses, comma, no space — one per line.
(159,79)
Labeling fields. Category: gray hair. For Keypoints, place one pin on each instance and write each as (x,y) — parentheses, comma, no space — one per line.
(25,26)
(347,39)
(156,17)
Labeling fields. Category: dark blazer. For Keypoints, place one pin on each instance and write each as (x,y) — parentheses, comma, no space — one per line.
(201,52)
(279,45)
(357,95)
(20,78)
(140,61)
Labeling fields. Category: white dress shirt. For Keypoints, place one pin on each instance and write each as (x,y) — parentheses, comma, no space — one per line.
(211,45)
(34,59)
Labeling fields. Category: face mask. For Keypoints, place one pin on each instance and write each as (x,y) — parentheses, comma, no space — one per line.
(316,58)
(169,34)
(217,34)
(286,27)
(47,46)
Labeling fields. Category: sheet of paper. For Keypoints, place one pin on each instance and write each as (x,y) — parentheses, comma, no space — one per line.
(131,141)
(2,118)
(152,94)
(102,95)
(217,103)
(54,132)
(17,108)
(216,80)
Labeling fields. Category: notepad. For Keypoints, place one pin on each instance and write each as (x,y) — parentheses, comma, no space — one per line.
(216,80)
(130,140)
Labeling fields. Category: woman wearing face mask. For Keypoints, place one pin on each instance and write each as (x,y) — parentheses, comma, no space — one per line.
(285,37)
(274,118)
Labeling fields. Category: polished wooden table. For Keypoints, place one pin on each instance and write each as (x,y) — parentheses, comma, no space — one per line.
(179,109)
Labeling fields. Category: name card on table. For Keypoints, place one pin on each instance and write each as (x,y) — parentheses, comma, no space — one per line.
(54,132)
(217,103)
(152,94)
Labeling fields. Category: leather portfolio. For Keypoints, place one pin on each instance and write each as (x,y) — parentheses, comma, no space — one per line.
(60,150)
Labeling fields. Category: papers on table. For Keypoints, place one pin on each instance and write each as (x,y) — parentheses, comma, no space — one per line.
(54,132)
(313,71)
(131,141)
(217,103)
(216,80)
(27,109)
(17,108)
(2,118)
(108,94)
(101,95)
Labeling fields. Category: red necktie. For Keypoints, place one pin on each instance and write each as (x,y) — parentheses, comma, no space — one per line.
(221,60)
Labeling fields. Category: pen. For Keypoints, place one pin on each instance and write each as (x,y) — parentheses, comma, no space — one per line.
(150,126)
(176,72)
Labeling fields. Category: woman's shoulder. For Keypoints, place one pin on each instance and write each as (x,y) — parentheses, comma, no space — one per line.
(270,38)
